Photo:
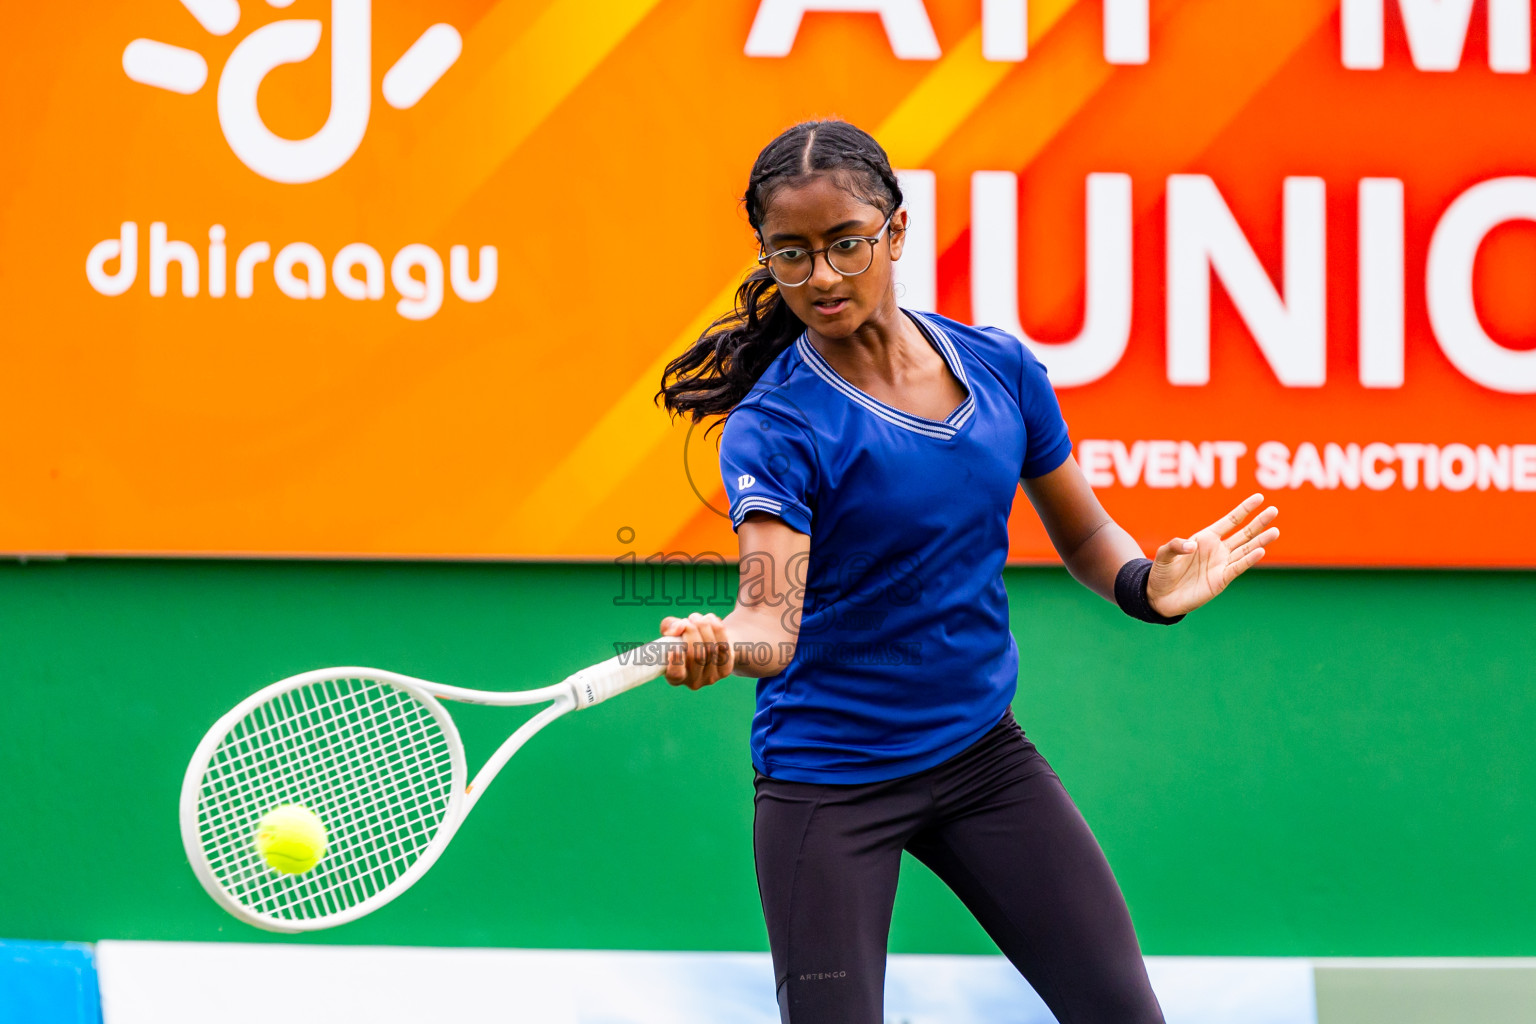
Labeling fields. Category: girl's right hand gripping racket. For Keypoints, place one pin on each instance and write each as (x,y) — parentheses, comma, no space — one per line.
(377,757)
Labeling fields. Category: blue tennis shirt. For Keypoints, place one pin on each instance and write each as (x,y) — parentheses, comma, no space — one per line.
(904,655)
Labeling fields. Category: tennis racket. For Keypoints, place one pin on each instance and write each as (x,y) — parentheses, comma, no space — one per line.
(377,757)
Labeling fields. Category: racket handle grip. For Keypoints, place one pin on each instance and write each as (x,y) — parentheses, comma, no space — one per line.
(622,672)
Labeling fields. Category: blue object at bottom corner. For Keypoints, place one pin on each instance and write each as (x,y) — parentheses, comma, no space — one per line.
(48,983)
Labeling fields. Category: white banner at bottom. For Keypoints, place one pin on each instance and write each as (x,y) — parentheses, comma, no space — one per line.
(240,983)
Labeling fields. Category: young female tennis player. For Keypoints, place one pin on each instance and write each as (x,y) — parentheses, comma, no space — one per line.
(871,455)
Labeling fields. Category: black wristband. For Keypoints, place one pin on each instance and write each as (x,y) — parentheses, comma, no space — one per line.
(1131,592)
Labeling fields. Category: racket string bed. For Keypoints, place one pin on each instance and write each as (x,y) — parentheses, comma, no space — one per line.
(302,761)
(269,728)
(382,773)
(401,837)
(386,840)
(367,757)
(302,753)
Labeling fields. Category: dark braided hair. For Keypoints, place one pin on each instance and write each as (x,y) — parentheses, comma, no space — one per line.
(721,367)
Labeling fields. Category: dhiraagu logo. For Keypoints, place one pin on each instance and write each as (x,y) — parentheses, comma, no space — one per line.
(298,269)
(288,42)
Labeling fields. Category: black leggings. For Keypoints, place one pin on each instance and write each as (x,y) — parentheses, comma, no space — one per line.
(996,825)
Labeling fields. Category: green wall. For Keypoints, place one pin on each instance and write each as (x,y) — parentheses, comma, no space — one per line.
(1320,763)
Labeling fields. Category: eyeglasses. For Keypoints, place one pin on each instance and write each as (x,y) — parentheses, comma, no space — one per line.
(850,256)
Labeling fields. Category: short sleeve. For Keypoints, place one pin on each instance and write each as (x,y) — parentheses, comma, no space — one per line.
(769,465)
(1047,443)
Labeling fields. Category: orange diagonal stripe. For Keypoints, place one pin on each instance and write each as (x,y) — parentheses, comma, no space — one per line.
(1207,34)
(533,74)
(609,473)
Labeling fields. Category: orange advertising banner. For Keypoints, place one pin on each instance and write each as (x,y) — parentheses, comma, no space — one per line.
(395,278)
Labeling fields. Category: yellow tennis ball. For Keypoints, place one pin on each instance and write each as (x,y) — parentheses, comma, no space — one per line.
(291,838)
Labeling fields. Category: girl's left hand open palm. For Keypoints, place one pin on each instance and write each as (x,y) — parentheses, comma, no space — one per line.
(1188,573)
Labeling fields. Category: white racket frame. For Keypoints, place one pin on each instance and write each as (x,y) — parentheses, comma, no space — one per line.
(579,691)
